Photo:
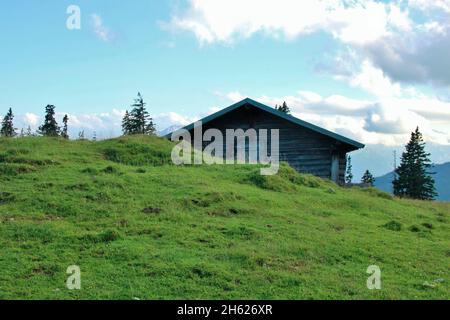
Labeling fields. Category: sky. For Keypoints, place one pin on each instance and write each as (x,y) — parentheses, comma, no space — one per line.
(370,70)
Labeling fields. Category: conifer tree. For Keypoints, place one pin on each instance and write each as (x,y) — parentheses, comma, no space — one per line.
(7,129)
(349,173)
(141,121)
(283,108)
(413,178)
(126,124)
(138,121)
(64,132)
(368,178)
(29,133)
(50,127)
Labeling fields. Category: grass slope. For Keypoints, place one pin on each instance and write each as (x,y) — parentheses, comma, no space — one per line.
(141,228)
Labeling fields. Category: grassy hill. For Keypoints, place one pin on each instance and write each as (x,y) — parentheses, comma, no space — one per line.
(140,227)
(441,176)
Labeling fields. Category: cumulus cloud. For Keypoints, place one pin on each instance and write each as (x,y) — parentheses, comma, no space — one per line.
(172,119)
(234,96)
(30,119)
(382,34)
(431,5)
(421,59)
(107,124)
(95,121)
(359,21)
(415,53)
(382,118)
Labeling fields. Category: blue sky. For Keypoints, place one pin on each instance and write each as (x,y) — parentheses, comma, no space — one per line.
(368,69)
(77,71)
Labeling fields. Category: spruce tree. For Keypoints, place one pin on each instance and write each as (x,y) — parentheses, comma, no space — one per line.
(368,178)
(8,129)
(64,132)
(413,178)
(138,121)
(283,108)
(50,127)
(126,124)
(349,173)
(29,133)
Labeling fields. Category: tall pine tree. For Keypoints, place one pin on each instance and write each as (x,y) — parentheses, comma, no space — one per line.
(126,124)
(64,132)
(413,177)
(50,127)
(138,121)
(349,173)
(8,129)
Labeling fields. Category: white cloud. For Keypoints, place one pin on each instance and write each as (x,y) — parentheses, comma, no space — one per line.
(234,96)
(381,34)
(102,32)
(361,23)
(431,4)
(108,124)
(384,118)
(374,81)
(414,57)
(433,27)
(399,18)
(169,119)
(408,53)
(310,96)
(356,21)
(30,119)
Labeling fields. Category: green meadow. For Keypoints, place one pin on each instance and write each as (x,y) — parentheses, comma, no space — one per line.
(142,228)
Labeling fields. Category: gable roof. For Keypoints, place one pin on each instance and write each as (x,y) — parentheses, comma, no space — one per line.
(277,113)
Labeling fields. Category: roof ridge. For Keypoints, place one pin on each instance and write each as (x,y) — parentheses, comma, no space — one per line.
(281,114)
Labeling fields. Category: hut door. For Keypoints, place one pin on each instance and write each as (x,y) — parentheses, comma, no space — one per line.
(335,168)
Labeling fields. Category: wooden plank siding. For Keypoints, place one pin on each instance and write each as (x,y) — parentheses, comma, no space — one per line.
(305,150)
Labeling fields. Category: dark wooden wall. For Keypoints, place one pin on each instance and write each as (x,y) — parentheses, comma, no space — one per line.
(304,149)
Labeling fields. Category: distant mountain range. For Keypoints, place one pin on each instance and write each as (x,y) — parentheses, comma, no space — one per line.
(379,159)
(168,130)
(442,181)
